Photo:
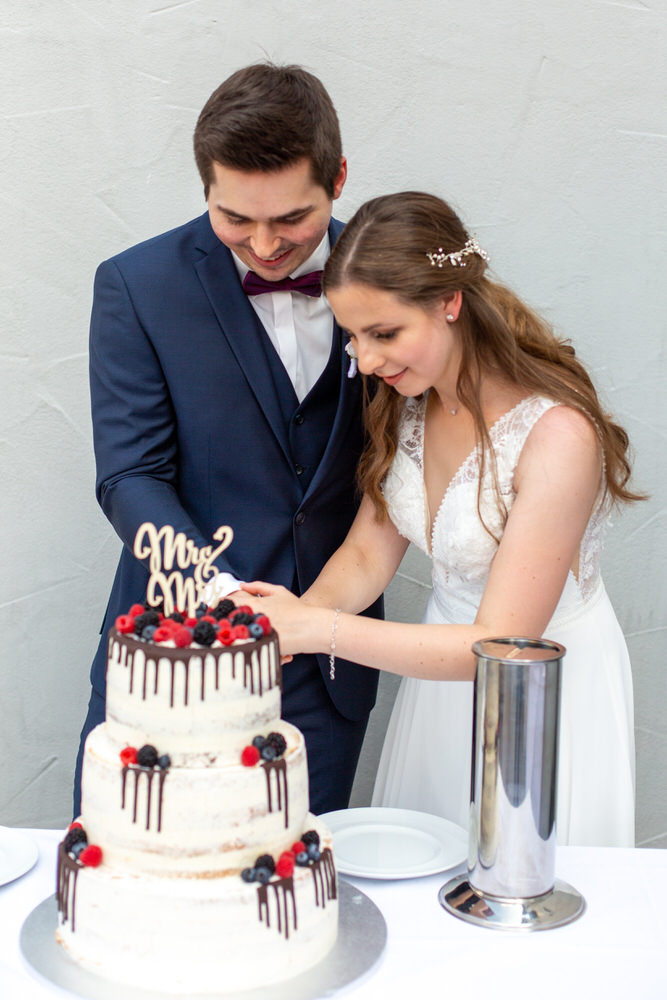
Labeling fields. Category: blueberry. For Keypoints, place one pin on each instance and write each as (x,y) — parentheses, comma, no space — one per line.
(313,852)
(268,752)
(256,631)
(201,610)
(75,836)
(302,859)
(148,632)
(164,761)
(249,875)
(77,849)
(262,875)
(258,742)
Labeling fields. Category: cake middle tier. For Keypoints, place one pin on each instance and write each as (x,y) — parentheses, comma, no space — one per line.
(204,819)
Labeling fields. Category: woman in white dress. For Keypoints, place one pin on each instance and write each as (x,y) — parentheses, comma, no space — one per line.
(488,449)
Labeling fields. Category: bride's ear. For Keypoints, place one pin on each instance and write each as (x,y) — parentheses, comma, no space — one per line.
(451,305)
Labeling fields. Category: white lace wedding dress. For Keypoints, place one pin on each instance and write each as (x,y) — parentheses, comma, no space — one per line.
(426,758)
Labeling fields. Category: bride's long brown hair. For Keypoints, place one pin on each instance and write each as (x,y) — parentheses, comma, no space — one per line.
(385,245)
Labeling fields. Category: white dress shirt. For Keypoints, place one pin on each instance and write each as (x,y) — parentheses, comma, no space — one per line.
(300,328)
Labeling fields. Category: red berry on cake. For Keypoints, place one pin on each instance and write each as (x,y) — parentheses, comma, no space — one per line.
(136,610)
(182,637)
(124,624)
(128,756)
(285,865)
(298,847)
(240,632)
(249,756)
(162,634)
(91,856)
(264,622)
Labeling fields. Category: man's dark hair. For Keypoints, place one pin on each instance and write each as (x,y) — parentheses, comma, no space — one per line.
(267,117)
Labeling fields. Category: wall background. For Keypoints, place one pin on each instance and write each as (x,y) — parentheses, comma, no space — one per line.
(543,124)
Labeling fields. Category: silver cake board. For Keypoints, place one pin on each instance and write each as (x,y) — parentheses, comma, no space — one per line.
(362,937)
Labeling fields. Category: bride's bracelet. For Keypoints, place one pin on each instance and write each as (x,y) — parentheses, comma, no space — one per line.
(332,648)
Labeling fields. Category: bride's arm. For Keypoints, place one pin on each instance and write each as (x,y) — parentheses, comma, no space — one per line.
(360,570)
(556,483)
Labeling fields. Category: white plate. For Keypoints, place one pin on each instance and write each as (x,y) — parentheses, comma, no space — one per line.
(394,843)
(18,854)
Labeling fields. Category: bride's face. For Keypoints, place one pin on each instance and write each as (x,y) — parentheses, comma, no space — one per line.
(409,348)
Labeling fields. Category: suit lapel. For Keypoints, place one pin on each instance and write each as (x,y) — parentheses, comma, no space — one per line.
(242,328)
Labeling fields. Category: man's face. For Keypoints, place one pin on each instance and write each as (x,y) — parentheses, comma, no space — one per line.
(272,221)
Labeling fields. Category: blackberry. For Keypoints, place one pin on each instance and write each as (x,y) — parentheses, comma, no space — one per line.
(147,756)
(266,861)
(176,616)
(311,837)
(148,618)
(243,618)
(75,836)
(278,742)
(223,609)
(204,633)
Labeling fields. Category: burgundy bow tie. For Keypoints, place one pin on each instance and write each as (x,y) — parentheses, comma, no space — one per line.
(307,284)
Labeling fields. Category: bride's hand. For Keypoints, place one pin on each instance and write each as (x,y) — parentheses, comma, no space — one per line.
(293,620)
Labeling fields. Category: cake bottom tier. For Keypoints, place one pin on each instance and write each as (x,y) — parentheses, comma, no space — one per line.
(197,936)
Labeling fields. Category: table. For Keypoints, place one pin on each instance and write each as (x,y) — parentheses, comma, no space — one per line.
(615,950)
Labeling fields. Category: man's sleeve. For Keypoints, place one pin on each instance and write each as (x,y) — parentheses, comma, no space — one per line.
(134,425)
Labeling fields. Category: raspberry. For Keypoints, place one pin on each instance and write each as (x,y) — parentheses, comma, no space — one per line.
(191,622)
(240,632)
(249,756)
(75,826)
(245,608)
(208,618)
(264,622)
(285,865)
(226,638)
(299,847)
(124,624)
(224,625)
(162,634)
(128,756)
(91,856)
(136,609)
(182,637)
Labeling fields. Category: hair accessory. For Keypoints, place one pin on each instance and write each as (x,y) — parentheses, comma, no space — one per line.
(455,258)
(349,350)
(332,648)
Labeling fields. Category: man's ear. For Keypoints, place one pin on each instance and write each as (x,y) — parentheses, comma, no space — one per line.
(341,177)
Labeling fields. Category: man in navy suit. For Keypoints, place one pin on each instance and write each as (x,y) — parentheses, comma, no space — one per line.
(219,389)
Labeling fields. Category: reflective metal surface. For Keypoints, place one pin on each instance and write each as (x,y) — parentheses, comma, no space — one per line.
(512,837)
(362,937)
(559,906)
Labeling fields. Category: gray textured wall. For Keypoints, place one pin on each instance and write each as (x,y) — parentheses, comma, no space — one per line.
(543,123)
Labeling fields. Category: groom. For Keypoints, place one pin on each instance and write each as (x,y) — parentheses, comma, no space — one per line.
(219,388)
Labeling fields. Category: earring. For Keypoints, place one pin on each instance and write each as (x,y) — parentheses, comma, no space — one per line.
(449,317)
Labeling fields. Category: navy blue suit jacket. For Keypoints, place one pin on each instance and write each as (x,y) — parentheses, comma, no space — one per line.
(193,429)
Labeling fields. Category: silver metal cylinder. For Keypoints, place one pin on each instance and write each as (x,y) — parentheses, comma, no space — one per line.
(510,883)
(514,767)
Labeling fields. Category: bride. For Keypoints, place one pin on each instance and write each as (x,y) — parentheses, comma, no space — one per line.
(487,448)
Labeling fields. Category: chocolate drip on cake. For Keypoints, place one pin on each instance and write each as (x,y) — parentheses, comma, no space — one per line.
(324,878)
(150,773)
(67,872)
(256,679)
(279,768)
(283,890)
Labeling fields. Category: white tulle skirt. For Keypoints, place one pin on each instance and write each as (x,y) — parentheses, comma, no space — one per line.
(426,758)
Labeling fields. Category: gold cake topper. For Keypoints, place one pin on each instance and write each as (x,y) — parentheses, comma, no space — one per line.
(164,548)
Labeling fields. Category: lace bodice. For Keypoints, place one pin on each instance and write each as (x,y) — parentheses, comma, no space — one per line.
(460,548)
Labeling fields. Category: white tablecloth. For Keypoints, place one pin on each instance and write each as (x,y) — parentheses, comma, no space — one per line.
(616,949)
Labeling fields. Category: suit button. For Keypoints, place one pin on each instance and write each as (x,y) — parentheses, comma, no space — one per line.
(298,469)
(300,518)
(298,418)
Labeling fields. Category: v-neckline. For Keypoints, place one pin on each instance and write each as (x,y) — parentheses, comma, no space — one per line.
(430,525)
